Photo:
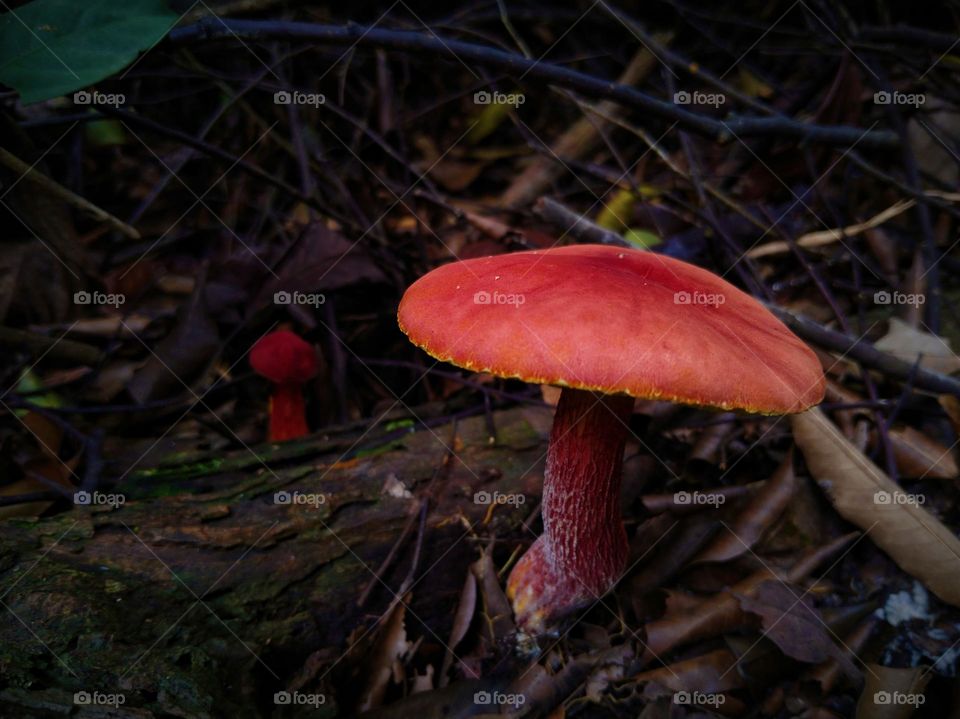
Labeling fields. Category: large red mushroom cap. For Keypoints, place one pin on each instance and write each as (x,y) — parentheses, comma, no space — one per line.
(287,361)
(612,320)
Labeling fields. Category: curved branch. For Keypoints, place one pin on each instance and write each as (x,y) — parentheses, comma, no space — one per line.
(519,66)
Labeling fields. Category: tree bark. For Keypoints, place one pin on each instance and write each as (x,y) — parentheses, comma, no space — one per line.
(201,595)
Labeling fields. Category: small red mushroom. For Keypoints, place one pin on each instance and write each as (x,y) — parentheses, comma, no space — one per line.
(607,325)
(287,361)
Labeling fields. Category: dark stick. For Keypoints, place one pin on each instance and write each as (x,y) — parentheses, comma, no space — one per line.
(352,34)
(925,221)
(940,42)
(866,354)
(577,226)
(918,195)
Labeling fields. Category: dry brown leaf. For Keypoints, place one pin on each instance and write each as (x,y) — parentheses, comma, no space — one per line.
(390,646)
(497,612)
(790,620)
(827,673)
(708,673)
(916,540)
(917,455)
(951,405)
(886,689)
(712,439)
(722,612)
(907,343)
(461,623)
(46,464)
(756,518)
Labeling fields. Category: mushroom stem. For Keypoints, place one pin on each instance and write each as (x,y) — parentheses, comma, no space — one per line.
(581,488)
(288,418)
(583,550)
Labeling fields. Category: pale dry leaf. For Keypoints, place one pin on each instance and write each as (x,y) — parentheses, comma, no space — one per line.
(907,343)
(916,540)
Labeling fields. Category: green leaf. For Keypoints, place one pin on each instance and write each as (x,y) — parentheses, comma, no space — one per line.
(644,239)
(50,48)
(103,133)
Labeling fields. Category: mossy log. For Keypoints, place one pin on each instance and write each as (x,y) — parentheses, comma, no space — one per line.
(201,596)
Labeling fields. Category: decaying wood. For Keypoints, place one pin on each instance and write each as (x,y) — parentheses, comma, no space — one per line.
(200,577)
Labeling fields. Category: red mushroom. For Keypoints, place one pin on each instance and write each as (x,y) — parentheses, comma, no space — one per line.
(287,361)
(607,325)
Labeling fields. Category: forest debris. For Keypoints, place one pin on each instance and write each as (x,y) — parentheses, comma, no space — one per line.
(722,612)
(916,540)
(659,503)
(32,174)
(918,455)
(826,237)
(826,673)
(791,621)
(891,693)
(391,645)
(951,405)
(466,606)
(668,549)
(393,487)
(708,673)
(182,356)
(756,518)
(710,443)
(53,347)
(575,142)
(909,344)
(42,469)
(497,613)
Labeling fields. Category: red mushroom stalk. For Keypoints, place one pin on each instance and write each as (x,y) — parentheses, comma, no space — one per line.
(287,361)
(607,325)
(583,550)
